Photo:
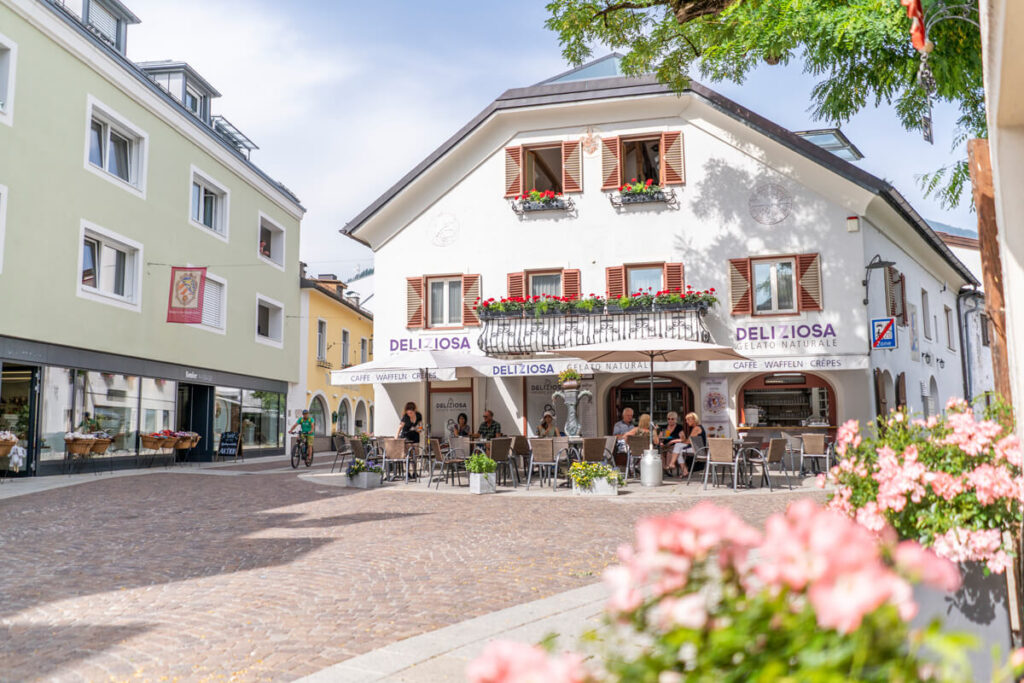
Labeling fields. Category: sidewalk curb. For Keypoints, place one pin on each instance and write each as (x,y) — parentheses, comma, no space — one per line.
(461,642)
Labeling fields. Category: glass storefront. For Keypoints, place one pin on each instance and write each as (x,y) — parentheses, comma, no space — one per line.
(227,411)
(261,419)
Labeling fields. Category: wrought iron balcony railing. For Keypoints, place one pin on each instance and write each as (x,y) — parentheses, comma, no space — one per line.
(520,335)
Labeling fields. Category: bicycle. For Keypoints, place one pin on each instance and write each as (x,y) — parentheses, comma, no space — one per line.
(297,453)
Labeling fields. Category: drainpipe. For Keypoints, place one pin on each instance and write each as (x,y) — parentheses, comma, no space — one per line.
(965,339)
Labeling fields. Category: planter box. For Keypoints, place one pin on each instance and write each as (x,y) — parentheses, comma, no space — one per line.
(703,308)
(600,487)
(979,608)
(365,480)
(480,482)
(553,205)
(643,197)
(615,309)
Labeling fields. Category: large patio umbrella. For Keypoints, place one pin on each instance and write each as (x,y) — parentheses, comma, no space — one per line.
(422,362)
(651,350)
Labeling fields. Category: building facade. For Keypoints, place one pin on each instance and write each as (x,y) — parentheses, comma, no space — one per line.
(804,250)
(336,333)
(112,173)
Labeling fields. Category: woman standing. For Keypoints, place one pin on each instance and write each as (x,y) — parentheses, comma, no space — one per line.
(411,425)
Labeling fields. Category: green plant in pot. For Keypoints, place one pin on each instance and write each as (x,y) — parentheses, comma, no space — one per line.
(481,469)
(569,378)
(587,477)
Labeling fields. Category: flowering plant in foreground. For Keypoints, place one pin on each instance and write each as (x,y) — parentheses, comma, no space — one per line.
(825,600)
(359,466)
(954,484)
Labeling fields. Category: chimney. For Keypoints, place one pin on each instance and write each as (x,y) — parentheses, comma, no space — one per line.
(327,276)
(353,299)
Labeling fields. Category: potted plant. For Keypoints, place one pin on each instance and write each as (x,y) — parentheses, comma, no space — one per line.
(595,479)
(589,305)
(537,200)
(364,475)
(636,192)
(637,302)
(481,473)
(569,378)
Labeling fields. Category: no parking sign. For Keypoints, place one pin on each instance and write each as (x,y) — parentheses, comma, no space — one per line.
(883,333)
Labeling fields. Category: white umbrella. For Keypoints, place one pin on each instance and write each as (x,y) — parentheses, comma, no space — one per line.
(421,362)
(651,350)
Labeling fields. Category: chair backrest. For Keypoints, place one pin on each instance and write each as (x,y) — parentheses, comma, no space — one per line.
(543,450)
(560,444)
(610,442)
(776,450)
(699,442)
(719,449)
(394,449)
(358,451)
(792,441)
(752,442)
(594,448)
(435,449)
(814,444)
(500,448)
(637,444)
(343,442)
(458,447)
(521,445)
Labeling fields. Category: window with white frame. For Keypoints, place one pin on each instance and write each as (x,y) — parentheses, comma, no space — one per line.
(545,283)
(774,283)
(269,321)
(644,278)
(345,358)
(208,203)
(950,328)
(271,246)
(214,302)
(109,267)
(363,351)
(926,316)
(8,66)
(444,302)
(321,340)
(115,148)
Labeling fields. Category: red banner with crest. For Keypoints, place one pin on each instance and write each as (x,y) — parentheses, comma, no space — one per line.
(185,301)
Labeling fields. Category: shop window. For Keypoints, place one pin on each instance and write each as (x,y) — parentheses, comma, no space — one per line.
(227,412)
(269,321)
(444,302)
(8,67)
(787,400)
(109,267)
(112,401)
(208,204)
(774,284)
(543,169)
(261,419)
(641,159)
(271,246)
(926,316)
(116,149)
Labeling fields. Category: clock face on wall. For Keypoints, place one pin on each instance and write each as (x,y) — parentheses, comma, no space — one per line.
(770,203)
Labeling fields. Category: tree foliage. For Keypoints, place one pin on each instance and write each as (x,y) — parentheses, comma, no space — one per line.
(860,51)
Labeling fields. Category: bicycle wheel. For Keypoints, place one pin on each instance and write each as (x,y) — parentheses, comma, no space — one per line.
(295,454)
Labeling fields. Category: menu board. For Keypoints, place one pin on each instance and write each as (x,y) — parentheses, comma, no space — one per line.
(714,406)
(229,446)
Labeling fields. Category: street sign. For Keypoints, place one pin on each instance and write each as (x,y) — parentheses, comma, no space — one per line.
(883,333)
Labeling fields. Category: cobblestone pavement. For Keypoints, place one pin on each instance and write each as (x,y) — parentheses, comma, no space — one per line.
(255,576)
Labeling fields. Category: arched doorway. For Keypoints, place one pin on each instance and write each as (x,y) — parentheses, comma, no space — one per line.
(318,412)
(670,394)
(360,424)
(343,412)
(931,402)
(787,399)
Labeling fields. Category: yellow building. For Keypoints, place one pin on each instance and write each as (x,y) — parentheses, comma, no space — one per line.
(336,332)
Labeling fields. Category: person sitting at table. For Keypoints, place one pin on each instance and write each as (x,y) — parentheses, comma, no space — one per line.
(547,428)
(411,425)
(461,427)
(693,428)
(489,428)
(672,440)
(643,428)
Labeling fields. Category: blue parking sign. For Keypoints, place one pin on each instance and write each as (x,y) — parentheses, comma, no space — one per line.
(883,333)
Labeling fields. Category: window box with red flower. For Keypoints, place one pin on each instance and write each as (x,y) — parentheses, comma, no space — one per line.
(691,299)
(537,200)
(637,302)
(638,192)
(511,307)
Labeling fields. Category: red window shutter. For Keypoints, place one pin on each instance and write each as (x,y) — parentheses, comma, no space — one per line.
(470,298)
(903,300)
(572,166)
(741,295)
(513,171)
(611,169)
(672,170)
(673,277)
(615,280)
(414,302)
(571,284)
(516,285)
(891,275)
(808,269)
(901,390)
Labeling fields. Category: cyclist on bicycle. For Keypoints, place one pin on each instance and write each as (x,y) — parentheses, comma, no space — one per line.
(305,424)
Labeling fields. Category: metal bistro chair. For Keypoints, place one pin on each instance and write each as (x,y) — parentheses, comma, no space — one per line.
(563,454)
(595,449)
(542,457)
(396,457)
(775,455)
(813,447)
(720,455)
(520,453)
(793,446)
(501,454)
(453,461)
(636,446)
(700,454)
(344,451)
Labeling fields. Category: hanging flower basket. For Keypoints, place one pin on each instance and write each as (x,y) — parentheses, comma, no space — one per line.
(100,446)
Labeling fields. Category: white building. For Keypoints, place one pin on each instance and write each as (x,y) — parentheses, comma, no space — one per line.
(781,229)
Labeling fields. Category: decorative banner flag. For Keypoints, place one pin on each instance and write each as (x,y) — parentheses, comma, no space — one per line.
(185,302)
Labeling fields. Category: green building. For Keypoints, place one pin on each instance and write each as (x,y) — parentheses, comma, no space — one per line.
(111,172)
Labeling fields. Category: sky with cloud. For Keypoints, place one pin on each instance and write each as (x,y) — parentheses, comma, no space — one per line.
(343,101)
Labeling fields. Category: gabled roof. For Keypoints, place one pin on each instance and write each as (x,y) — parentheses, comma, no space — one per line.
(562,92)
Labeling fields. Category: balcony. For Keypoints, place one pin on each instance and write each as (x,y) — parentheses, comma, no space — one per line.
(325,364)
(528,335)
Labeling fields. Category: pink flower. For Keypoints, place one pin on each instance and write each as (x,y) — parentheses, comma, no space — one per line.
(689,611)
(504,661)
(870,518)
(1009,449)
(991,483)
(847,435)
(1017,658)
(922,564)
(945,485)
(625,597)
(841,602)
(896,479)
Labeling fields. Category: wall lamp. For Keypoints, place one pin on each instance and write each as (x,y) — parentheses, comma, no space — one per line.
(876,262)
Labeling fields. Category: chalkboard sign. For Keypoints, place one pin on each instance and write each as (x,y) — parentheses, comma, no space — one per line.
(229,446)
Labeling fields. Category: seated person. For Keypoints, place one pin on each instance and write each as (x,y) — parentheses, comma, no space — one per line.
(674,435)
(691,429)
(643,428)
(489,428)
(547,427)
(621,427)
(461,426)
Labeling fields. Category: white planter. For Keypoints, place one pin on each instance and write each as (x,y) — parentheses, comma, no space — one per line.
(480,482)
(365,480)
(600,487)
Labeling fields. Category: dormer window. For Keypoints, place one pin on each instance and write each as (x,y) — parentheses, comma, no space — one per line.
(193,102)
(108,20)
